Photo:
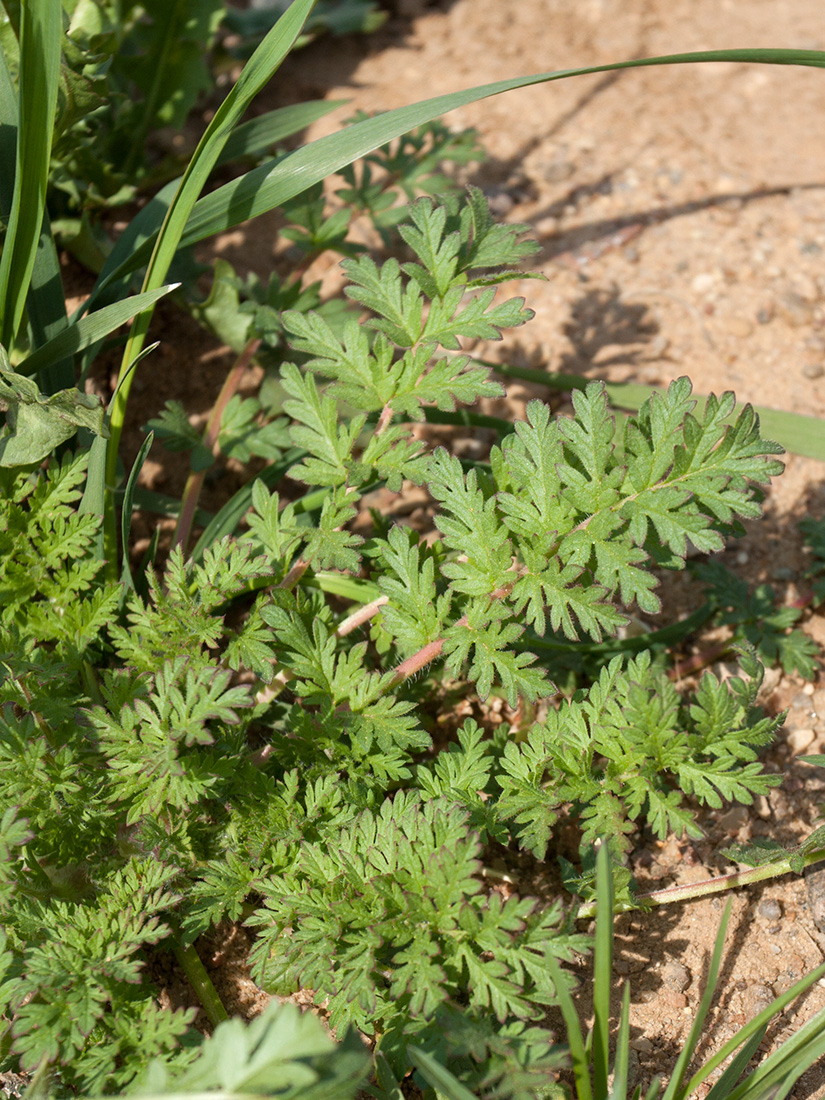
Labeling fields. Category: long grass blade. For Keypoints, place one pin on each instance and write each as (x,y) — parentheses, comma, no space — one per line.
(755,1026)
(90,329)
(40,29)
(674,1088)
(436,1075)
(273,183)
(263,63)
(45,304)
(126,512)
(575,1038)
(8,138)
(778,1074)
(621,1068)
(46,310)
(734,1071)
(602,971)
(801,435)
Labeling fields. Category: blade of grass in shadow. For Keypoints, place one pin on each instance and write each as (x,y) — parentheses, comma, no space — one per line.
(40,29)
(46,310)
(162,505)
(260,68)
(94,492)
(90,329)
(126,511)
(8,138)
(227,519)
(444,1082)
(273,183)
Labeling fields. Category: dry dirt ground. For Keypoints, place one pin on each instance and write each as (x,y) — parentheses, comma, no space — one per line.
(681,217)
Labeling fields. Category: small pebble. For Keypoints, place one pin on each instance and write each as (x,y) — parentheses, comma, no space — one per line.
(676,976)
(795,310)
(500,203)
(764,316)
(644,1046)
(703,282)
(813,370)
(757,997)
(740,327)
(783,573)
(558,170)
(762,807)
(769,909)
(801,701)
(546,227)
(800,739)
(734,819)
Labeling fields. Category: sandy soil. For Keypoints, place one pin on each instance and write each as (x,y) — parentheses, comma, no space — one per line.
(681,216)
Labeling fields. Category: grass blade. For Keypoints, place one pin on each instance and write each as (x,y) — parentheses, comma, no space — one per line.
(436,1075)
(263,63)
(674,1088)
(602,970)
(8,138)
(734,1071)
(46,310)
(256,136)
(88,330)
(801,435)
(273,183)
(779,1073)
(575,1038)
(126,511)
(621,1069)
(40,29)
(46,305)
(755,1026)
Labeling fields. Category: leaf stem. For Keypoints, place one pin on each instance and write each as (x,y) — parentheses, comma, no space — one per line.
(200,981)
(718,885)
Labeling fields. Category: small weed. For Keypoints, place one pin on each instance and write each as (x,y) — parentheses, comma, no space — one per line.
(203,741)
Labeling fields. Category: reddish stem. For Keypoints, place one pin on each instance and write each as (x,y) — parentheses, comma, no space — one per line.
(194,483)
(361,616)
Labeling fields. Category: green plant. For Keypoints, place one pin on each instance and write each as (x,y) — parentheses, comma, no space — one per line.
(203,742)
(348,837)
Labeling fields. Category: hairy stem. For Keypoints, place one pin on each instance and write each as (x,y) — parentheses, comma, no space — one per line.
(718,885)
(361,616)
(201,983)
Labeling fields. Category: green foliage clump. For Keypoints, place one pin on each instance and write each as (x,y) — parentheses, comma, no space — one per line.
(164,762)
